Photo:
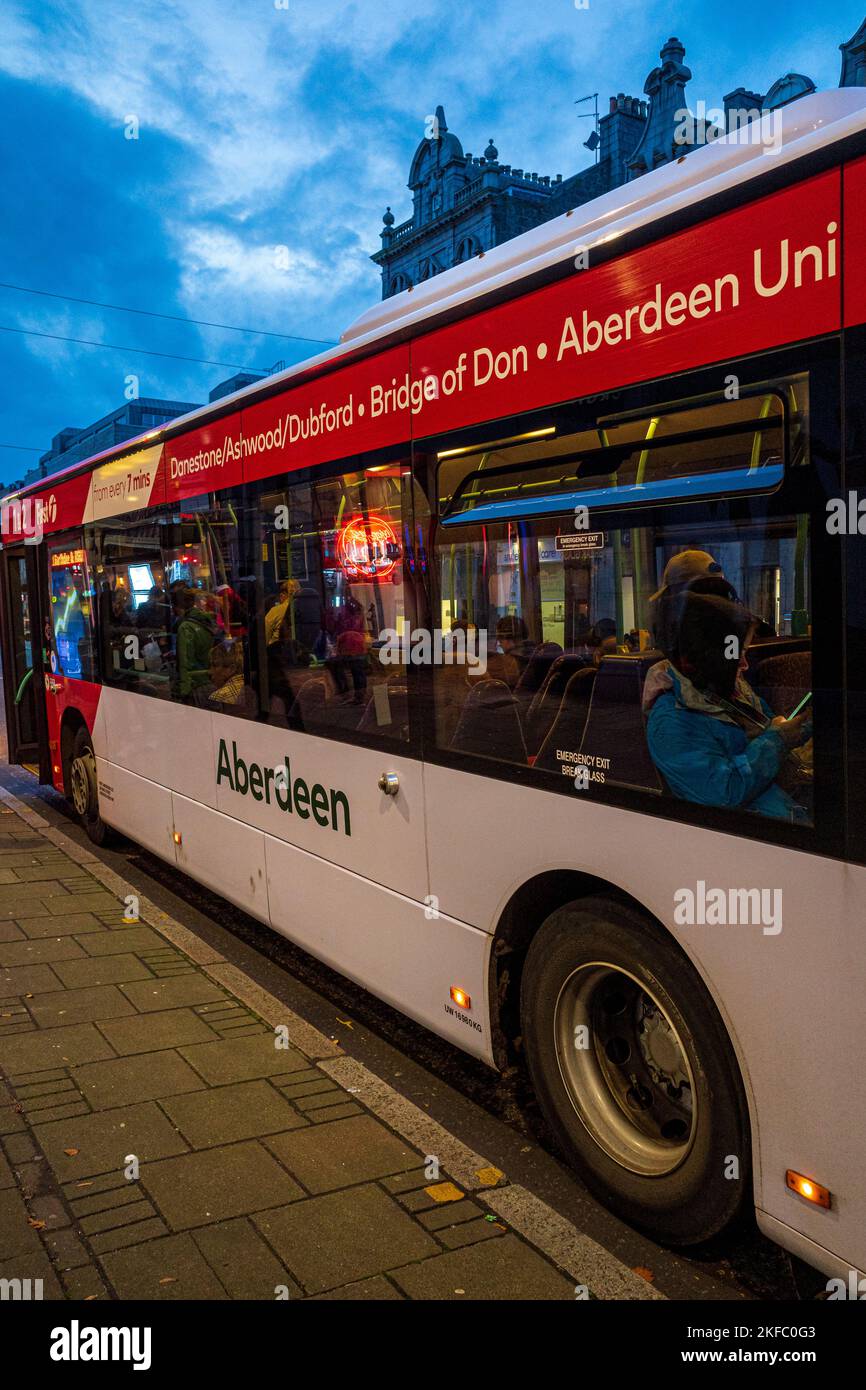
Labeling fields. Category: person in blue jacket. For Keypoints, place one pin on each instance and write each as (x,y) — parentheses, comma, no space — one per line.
(711,737)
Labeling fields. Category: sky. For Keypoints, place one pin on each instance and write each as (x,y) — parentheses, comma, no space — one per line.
(291,124)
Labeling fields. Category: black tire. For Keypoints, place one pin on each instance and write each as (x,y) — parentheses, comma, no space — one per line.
(83,790)
(650,1108)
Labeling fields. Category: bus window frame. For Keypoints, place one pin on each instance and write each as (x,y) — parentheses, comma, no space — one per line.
(802,490)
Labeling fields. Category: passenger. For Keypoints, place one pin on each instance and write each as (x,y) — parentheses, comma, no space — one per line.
(154,612)
(602,639)
(276,616)
(710,736)
(195,635)
(512,637)
(691,571)
(225,688)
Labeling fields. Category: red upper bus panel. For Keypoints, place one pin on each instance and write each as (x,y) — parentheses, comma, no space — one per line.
(762,275)
(855,242)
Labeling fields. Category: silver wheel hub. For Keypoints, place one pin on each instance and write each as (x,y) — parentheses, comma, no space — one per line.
(625,1069)
(82,779)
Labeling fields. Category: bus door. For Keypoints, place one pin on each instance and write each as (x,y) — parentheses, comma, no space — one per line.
(26,730)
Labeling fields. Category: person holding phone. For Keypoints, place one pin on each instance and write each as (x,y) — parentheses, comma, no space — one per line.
(711,737)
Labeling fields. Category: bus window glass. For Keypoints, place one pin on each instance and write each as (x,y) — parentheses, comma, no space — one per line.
(71,652)
(175,605)
(334,603)
(652,658)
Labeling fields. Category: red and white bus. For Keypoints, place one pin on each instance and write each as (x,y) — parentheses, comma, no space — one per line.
(366,648)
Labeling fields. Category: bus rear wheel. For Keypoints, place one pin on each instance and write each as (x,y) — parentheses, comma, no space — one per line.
(83,790)
(634,1071)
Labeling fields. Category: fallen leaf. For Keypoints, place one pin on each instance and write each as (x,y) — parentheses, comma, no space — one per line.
(87,1183)
(37,1225)
(90,1297)
(644,1273)
(169,1279)
(345,1022)
(71,1152)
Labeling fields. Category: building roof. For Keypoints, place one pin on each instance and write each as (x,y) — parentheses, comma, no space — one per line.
(807,126)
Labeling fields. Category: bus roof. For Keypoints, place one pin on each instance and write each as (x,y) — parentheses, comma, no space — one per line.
(806,127)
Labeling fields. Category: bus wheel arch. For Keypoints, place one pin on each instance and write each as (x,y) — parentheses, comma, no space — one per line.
(565,942)
(72,721)
(79,777)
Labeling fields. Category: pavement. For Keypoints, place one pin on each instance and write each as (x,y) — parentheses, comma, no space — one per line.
(172,1130)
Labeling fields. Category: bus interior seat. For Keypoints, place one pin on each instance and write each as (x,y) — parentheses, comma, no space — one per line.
(615,726)
(566,731)
(535,672)
(546,702)
(394,703)
(451,691)
(309,703)
(489,724)
(783,680)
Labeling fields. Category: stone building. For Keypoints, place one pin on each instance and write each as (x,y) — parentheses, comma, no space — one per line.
(463,204)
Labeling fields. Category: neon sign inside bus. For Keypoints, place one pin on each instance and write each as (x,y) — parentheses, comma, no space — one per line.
(367,548)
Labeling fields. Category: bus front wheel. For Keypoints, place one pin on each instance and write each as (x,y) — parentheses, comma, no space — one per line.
(83,789)
(634,1071)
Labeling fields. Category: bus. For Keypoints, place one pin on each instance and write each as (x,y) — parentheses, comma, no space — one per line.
(414,652)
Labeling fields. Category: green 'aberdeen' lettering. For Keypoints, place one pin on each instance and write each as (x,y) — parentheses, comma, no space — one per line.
(329,807)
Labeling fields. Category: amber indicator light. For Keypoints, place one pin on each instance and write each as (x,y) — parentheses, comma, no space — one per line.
(807,1188)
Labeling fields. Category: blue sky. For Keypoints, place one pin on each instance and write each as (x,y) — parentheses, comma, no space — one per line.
(262,127)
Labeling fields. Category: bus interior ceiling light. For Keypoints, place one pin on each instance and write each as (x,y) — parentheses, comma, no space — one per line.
(495,443)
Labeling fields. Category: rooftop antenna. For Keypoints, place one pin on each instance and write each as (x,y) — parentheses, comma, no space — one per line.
(594,140)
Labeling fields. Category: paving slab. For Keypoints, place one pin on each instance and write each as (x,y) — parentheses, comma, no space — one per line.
(501,1269)
(245,1265)
(128,1080)
(27,979)
(16,1236)
(54,1047)
(372,1290)
(152,1031)
(150,995)
(344,1236)
(127,939)
(73,924)
(243,1059)
(334,1155)
(170,1268)
(80,902)
(80,1006)
(26,952)
(102,1141)
(217,1184)
(101,970)
(245,1110)
(33,1265)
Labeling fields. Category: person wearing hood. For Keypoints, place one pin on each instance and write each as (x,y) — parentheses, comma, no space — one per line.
(195,635)
(688,572)
(711,737)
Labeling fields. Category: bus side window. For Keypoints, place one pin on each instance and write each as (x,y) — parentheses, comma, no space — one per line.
(71,610)
(333,587)
(211,605)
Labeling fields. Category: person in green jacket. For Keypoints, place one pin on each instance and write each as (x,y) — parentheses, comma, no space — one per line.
(195,634)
